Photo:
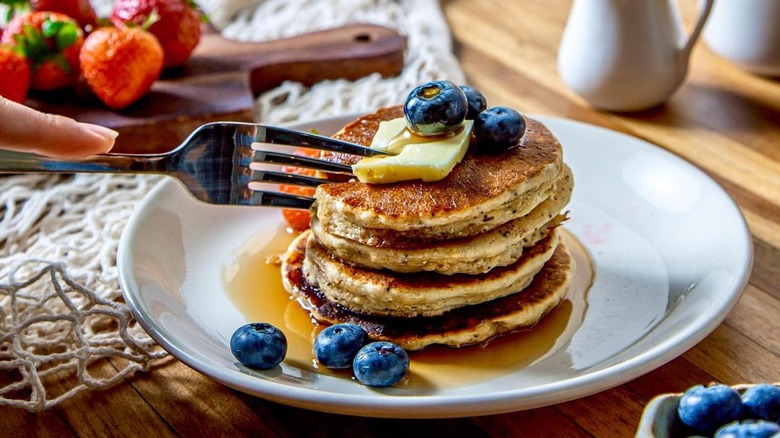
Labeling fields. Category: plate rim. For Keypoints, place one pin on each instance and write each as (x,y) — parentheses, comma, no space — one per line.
(444,406)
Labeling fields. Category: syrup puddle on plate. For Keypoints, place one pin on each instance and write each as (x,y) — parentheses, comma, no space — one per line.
(253,283)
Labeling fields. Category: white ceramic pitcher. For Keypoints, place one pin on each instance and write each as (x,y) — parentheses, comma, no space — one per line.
(747,32)
(626,55)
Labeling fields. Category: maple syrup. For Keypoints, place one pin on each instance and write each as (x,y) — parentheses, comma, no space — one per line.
(253,283)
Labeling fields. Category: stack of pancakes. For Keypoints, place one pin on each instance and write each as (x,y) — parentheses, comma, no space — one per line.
(453,262)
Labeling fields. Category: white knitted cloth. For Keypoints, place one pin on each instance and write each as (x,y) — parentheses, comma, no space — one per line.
(61,309)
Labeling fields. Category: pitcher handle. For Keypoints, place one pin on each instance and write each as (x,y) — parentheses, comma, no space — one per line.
(703,14)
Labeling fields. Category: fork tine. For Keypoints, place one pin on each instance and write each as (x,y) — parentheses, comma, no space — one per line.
(283,200)
(286,178)
(278,135)
(273,157)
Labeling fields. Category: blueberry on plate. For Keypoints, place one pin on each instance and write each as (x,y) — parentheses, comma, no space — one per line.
(498,128)
(435,108)
(258,345)
(762,401)
(380,364)
(337,345)
(748,429)
(476,101)
(705,408)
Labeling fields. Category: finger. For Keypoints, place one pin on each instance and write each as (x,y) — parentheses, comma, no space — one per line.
(27,130)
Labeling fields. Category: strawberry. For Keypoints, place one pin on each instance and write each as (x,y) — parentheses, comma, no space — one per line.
(177,26)
(51,42)
(298,220)
(120,64)
(15,71)
(79,10)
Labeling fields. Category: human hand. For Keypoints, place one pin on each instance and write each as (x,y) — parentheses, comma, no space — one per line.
(24,129)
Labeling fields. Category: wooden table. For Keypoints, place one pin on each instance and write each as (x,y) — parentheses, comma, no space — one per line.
(723,119)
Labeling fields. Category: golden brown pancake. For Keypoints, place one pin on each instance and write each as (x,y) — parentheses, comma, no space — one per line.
(387,293)
(465,326)
(477,254)
(482,191)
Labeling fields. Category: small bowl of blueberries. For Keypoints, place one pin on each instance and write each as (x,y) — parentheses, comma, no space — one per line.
(715,410)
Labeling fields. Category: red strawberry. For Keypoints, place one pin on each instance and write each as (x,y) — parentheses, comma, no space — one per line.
(120,64)
(15,71)
(298,220)
(177,28)
(79,10)
(51,42)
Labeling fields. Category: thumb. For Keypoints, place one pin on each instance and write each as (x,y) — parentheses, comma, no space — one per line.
(24,129)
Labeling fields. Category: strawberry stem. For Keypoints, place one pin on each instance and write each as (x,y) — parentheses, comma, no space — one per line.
(153,17)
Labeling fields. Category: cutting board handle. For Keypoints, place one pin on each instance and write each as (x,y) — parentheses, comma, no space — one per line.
(348,52)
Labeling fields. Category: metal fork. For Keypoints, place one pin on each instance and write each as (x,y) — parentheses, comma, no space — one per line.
(213,163)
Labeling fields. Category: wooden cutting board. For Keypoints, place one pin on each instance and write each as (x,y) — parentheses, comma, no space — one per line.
(222,78)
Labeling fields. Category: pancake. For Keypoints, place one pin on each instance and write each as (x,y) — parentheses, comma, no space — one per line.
(386,293)
(482,192)
(478,254)
(453,262)
(464,326)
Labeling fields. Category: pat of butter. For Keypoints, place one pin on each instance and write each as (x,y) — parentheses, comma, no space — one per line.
(425,158)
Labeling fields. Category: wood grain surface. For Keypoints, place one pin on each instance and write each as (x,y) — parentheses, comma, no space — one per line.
(723,120)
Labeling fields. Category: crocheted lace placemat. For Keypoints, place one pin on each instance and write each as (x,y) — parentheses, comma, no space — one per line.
(61,309)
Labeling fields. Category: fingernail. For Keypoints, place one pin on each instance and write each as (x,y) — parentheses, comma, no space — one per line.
(100,130)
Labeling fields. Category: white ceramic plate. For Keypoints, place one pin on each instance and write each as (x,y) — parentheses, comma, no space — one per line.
(670,249)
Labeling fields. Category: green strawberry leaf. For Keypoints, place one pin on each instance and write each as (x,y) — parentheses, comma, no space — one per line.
(19,50)
(61,62)
(33,43)
(67,35)
(50,28)
(64,33)
(32,35)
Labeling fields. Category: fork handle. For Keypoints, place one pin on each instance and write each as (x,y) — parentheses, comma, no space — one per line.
(19,162)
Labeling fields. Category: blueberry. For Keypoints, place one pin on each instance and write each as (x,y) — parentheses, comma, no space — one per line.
(762,402)
(259,345)
(706,408)
(476,101)
(498,128)
(435,108)
(380,364)
(337,345)
(748,429)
